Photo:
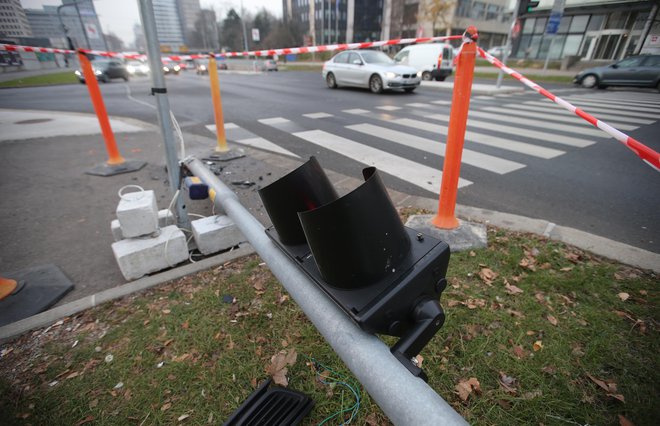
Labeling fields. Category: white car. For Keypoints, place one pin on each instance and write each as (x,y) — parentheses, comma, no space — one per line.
(370,69)
(137,68)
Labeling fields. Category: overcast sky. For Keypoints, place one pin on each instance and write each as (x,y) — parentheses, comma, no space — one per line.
(118,16)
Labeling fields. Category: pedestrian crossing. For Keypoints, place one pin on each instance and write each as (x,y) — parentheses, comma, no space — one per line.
(408,141)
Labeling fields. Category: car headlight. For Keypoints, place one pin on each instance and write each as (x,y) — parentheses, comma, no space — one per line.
(177,68)
(97,72)
(391,74)
(166,69)
(144,68)
(130,69)
(78,73)
(202,68)
(419,73)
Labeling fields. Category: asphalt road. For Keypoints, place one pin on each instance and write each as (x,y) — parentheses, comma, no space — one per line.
(596,185)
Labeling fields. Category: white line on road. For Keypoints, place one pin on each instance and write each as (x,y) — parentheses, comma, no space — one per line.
(483,139)
(255,142)
(615,101)
(388,108)
(318,115)
(518,131)
(620,105)
(356,111)
(563,118)
(417,174)
(473,158)
(565,113)
(274,120)
(581,129)
(130,97)
(591,110)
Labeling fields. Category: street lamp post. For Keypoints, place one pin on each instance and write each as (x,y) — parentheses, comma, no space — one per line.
(82,24)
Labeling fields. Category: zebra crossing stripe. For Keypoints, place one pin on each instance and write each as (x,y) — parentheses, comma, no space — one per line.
(605,110)
(634,102)
(414,173)
(581,129)
(625,105)
(473,158)
(441,102)
(484,139)
(316,115)
(562,112)
(274,120)
(253,141)
(356,111)
(389,108)
(543,136)
(563,118)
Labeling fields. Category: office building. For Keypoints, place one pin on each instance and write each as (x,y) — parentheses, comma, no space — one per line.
(13,22)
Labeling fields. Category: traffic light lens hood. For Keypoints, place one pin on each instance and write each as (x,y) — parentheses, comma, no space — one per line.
(305,188)
(357,239)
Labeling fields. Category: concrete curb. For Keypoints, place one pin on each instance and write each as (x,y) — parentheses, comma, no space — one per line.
(48,317)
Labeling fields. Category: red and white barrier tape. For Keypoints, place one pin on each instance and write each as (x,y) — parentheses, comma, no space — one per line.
(647,154)
(257,53)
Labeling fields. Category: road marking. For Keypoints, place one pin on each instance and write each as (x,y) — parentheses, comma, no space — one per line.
(615,101)
(253,141)
(356,111)
(483,139)
(623,105)
(419,105)
(605,110)
(417,174)
(518,131)
(130,97)
(562,112)
(441,102)
(318,115)
(585,129)
(553,117)
(274,120)
(389,108)
(473,158)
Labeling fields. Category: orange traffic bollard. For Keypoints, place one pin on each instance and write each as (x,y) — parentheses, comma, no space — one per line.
(460,104)
(97,100)
(116,163)
(7,287)
(217,105)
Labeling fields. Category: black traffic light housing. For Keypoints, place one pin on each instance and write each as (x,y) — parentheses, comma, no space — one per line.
(386,277)
(526,6)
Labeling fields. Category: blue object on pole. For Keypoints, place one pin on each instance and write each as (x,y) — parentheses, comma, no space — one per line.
(291,58)
(553,23)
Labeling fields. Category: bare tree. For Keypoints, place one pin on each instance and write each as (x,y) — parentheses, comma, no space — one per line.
(438,11)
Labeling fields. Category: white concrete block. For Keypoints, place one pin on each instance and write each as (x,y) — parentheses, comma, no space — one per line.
(165,218)
(215,233)
(137,213)
(140,256)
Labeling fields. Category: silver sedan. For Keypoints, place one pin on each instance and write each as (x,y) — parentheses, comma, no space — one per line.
(371,69)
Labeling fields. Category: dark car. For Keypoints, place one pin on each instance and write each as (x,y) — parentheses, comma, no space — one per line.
(640,71)
(105,70)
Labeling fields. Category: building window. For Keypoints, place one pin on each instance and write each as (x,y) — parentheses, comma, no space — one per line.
(596,22)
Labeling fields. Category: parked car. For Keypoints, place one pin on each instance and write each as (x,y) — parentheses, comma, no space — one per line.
(641,71)
(434,60)
(370,69)
(105,70)
(269,65)
(137,68)
(222,65)
(498,51)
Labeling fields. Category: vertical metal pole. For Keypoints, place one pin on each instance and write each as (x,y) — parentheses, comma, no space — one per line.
(163,106)
(507,47)
(82,24)
(647,28)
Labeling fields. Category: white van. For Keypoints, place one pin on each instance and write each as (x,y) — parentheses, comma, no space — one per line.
(434,60)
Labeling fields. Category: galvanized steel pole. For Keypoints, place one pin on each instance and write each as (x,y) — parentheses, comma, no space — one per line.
(405,399)
(163,107)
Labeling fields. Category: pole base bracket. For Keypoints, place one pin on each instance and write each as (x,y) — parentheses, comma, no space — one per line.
(232,154)
(105,169)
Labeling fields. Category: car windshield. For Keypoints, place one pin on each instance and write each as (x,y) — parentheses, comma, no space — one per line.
(100,64)
(373,57)
(202,61)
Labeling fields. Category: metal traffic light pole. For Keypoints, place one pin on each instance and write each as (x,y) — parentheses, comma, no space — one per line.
(405,399)
(163,107)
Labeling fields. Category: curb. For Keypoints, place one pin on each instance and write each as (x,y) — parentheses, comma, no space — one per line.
(48,317)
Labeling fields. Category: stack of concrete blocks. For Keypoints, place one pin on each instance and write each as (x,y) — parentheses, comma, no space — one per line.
(215,233)
(143,243)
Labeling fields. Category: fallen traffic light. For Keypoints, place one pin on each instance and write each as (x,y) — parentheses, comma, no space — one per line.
(386,277)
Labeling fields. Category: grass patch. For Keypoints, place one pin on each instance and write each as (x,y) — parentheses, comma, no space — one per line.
(541,327)
(533,77)
(65,77)
(301,67)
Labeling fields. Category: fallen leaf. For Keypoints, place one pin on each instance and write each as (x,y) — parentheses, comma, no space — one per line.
(566,269)
(166,311)
(472,253)
(527,263)
(549,369)
(607,385)
(537,346)
(85,420)
(506,405)
(625,422)
(419,360)
(72,375)
(516,314)
(532,394)
(466,387)
(166,406)
(519,352)
(487,275)
(551,319)
(545,266)
(185,325)
(507,382)
(452,303)
(512,289)
(278,366)
(93,403)
(623,296)
(617,396)
(181,358)
(183,417)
